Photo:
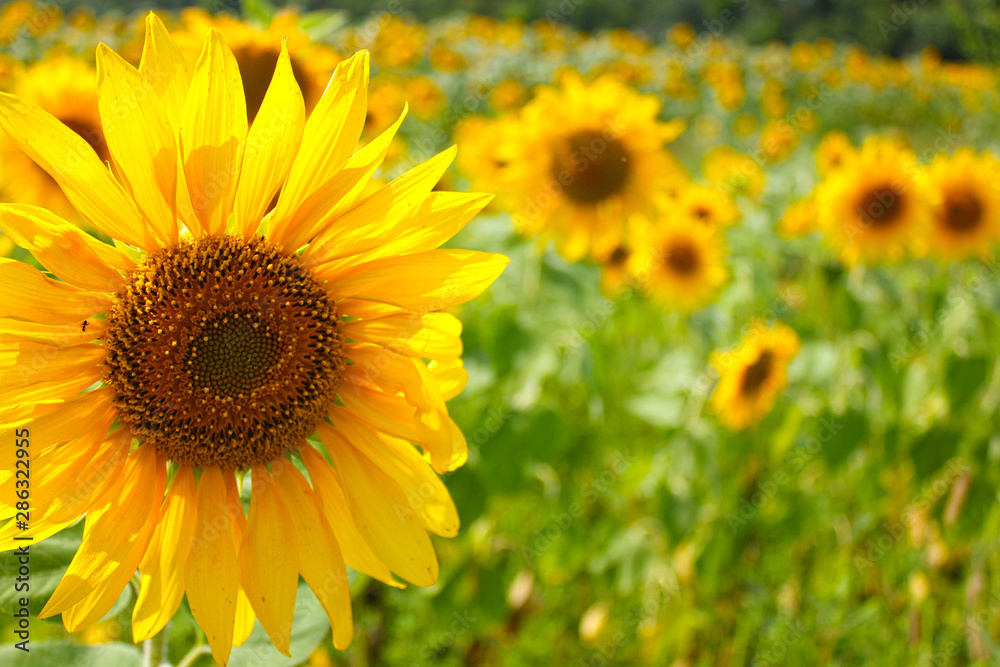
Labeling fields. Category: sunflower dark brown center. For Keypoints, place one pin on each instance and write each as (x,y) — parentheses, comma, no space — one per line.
(223,352)
(962,212)
(881,207)
(701,213)
(591,167)
(619,256)
(682,258)
(757,372)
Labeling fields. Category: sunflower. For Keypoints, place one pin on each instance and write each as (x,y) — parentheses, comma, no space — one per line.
(63,86)
(678,262)
(877,206)
(584,157)
(967,206)
(799,218)
(734,171)
(309,347)
(711,206)
(615,274)
(257,50)
(833,151)
(752,375)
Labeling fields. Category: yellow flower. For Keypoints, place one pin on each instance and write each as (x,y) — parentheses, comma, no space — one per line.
(477,138)
(62,86)
(385,102)
(615,274)
(424,97)
(708,205)
(507,95)
(629,42)
(679,263)
(29,18)
(877,206)
(777,140)
(678,85)
(751,376)
(967,205)
(799,218)
(736,172)
(257,50)
(727,80)
(583,158)
(681,35)
(398,43)
(209,340)
(804,56)
(835,148)
(444,59)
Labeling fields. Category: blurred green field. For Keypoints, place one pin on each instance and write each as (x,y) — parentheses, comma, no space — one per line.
(608,516)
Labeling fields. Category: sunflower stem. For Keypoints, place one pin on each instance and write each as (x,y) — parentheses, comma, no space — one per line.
(194,654)
(154,649)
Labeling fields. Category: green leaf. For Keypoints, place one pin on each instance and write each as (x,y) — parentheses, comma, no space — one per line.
(258,11)
(309,627)
(963,379)
(466,489)
(62,652)
(931,450)
(842,434)
(48,561)
(322,25)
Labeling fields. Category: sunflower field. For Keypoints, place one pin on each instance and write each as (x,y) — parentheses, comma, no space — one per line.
(348,337)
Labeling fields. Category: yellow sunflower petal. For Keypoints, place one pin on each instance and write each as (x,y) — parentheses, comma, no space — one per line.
(162,567)
(330,135)
(62,334)
(451,377)
(358,555)
(383,412)
(429,336)
(27,362)
(59,389)
(213,132)
(271,146)
(112,531)
(427,495)
(99,601)
(238,521)
(424,281)
(268,560)
(441,216)
(68,420)
(320,560)
(382,512)
(60,247)
(211,580)
(164,70)
(74,165)
(376,219)
(59,473)
(140,139)
(321,208)
(30,295)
